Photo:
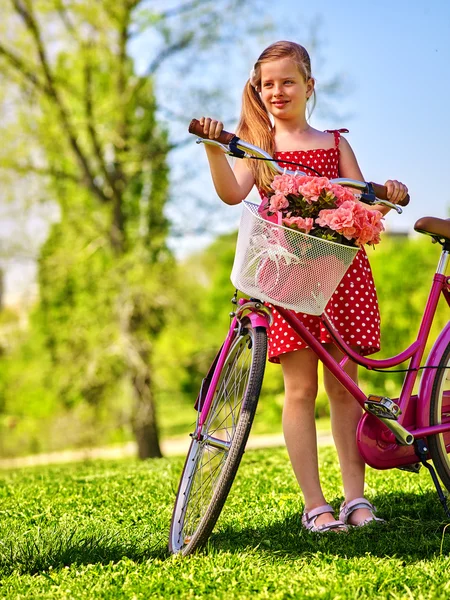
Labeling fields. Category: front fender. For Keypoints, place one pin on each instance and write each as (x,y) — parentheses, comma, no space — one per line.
(426,382)
(258,320)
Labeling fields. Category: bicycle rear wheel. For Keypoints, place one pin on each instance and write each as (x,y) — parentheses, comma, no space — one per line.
(213,460)
(439,445)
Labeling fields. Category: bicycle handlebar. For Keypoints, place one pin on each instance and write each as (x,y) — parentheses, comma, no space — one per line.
(196,128)
(237,147)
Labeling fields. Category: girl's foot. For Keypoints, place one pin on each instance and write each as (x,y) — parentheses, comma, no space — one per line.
(358,512)
(321,520)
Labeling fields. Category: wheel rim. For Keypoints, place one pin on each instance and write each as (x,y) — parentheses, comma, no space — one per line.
(207,456)
(442,413)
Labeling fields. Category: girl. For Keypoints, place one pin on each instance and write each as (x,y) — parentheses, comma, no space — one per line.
(274,118)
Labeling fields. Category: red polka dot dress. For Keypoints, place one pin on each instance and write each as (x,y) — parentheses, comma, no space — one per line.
(353,308)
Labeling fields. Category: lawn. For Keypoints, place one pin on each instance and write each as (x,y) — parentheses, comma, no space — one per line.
(99,530)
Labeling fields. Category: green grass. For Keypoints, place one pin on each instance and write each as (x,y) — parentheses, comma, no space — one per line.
(99,530)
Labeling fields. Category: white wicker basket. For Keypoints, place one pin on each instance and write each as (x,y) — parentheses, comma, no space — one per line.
(286,267)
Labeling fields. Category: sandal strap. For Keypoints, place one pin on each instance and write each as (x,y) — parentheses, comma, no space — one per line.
(358,503)
(320,510)
(330,526)
(350,507)
(309,520)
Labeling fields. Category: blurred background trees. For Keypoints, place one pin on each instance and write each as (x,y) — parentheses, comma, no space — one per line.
(82,119)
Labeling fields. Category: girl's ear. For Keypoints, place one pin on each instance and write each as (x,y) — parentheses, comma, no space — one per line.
(310,85)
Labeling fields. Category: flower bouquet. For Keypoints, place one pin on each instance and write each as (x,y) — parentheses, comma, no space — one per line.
(319,208)
(296,251)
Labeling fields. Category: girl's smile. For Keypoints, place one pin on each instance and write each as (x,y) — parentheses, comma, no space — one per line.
(279,103)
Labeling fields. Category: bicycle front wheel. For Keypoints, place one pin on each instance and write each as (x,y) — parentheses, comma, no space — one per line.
(439,445)
(213,460)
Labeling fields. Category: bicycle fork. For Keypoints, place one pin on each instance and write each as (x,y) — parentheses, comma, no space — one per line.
(259,316)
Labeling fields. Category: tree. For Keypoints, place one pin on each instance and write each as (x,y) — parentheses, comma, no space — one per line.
(85,120)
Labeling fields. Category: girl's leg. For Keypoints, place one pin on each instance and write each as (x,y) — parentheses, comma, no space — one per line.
(300,380)
(345,414)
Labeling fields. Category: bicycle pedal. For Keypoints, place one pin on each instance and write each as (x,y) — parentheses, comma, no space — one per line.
(414,468)
(380,406)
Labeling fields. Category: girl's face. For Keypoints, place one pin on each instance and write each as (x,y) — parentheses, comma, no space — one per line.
(284,91)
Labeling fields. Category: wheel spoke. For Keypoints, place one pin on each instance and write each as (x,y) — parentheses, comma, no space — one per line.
(440,413)
(204,483)
(208,472)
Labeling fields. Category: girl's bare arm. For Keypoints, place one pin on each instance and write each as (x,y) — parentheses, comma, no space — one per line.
(232,185)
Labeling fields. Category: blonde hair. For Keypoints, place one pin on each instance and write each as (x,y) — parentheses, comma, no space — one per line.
(254,124)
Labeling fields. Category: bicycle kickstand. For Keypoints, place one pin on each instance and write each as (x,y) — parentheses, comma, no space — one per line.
(421,450)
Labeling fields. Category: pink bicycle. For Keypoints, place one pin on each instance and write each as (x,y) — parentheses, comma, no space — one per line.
(393,433)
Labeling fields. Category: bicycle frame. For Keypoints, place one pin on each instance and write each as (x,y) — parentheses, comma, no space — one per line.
(384,443)
(387,443)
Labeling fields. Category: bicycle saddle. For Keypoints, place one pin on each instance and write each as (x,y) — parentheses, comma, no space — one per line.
(434,227)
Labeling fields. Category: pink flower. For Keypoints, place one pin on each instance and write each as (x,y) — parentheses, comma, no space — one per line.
(312,187)
(338,219)
(371,228)
(303,225)
(354,221)
(284,184)
(342,193)
(277,202)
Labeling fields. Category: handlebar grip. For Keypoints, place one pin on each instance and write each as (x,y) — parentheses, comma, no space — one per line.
(195,128)
(381,193)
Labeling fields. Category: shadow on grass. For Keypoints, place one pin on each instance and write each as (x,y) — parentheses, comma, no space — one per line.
(39,551)
(413,530)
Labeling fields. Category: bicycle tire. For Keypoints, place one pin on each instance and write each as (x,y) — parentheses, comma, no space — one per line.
(199,501)
(439,445)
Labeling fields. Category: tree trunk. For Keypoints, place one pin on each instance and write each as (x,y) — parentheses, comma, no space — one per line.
(145,425)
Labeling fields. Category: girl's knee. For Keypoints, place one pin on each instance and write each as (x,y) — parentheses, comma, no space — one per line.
(301,395)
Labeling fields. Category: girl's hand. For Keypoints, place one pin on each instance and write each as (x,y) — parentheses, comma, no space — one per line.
(211,127)
(396,191)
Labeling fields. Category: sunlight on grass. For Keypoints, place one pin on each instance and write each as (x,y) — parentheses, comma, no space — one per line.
(100,530)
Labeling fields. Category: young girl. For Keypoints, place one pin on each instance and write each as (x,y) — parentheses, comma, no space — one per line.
(274,118)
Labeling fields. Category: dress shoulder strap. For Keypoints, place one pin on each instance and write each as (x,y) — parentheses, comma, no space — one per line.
(337,135)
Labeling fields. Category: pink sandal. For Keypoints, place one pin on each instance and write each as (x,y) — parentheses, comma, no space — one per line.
(309,520)
(350,507)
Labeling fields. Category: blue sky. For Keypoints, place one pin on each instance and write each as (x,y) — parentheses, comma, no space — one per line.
(394,57)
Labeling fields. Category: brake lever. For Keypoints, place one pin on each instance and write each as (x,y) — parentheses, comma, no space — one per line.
(213,143)
(231,148)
